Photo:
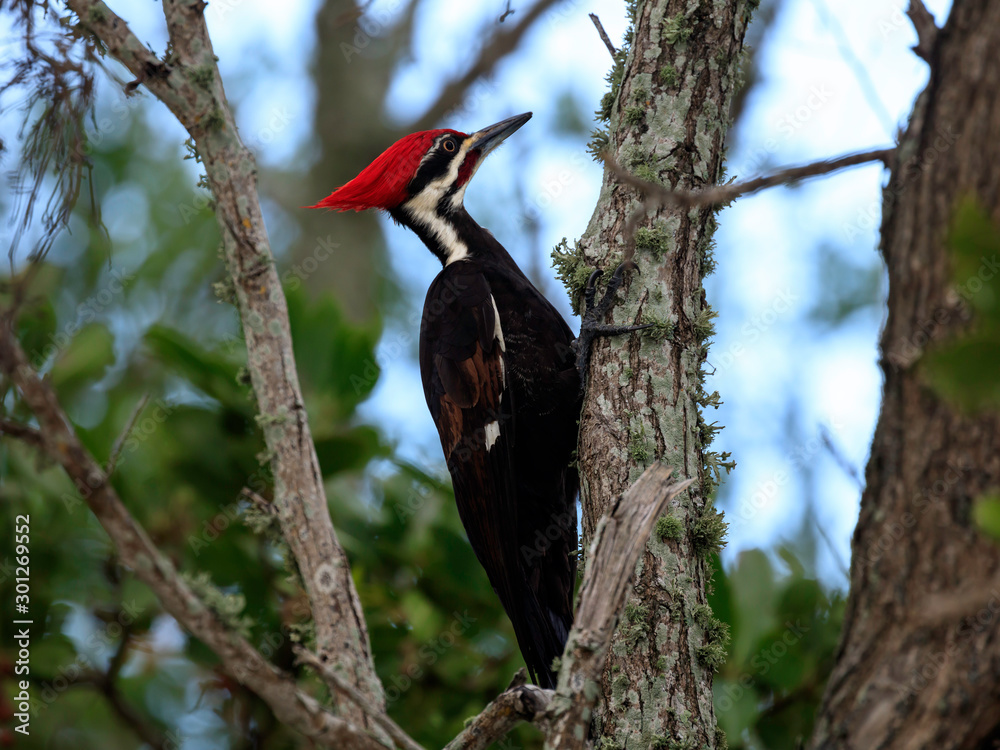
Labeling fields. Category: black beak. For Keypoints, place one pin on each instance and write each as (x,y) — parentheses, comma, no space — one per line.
(489,138)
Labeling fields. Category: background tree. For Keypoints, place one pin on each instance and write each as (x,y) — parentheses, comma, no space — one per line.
(920,629)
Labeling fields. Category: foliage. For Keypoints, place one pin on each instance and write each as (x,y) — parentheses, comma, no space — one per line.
(784,627)
(964,367)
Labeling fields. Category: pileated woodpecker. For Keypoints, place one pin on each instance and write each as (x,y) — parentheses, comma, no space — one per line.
(501,380)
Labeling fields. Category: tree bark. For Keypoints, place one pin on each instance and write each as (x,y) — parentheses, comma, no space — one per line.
(189,84)
(919,655)
(668,121)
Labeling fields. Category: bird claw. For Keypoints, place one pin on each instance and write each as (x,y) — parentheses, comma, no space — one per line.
(594,311)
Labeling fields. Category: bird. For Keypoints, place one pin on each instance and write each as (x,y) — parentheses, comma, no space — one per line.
(502,375)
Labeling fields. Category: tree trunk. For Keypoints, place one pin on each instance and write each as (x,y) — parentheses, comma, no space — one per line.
(669,114)
(919,657)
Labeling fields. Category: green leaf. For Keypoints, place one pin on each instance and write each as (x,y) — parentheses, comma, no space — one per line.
(36,331)
(964,371)
(963,368)
(209,371)
(986,513)
(975,245)
(334,357)
(350,449)
(86,358)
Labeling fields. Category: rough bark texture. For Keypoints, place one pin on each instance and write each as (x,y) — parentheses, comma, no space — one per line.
(669,120)
(616,548)
(919,658)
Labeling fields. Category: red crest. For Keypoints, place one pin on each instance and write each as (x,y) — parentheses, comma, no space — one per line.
(382,184)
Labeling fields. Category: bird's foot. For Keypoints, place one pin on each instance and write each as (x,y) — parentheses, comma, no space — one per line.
(593,312)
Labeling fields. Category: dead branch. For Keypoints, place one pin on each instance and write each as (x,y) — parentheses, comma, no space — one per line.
(331,676)
(619,540)
(927,30)
(656,195)
(603,34)
(720,194)
(191,87)
(517,703)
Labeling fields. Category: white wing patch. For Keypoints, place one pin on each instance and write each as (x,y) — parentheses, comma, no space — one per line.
(497,329)
(493,428)
(492,434)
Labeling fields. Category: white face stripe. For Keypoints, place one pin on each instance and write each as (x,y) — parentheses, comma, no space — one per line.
(423,207)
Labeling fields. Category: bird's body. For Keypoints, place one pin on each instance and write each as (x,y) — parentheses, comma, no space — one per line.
(500,380)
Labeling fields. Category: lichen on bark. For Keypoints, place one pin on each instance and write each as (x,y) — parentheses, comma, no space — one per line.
(667,118)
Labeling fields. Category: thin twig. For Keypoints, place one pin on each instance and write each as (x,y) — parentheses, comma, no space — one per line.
(725,193)
(128,715)
(332,677)
(927,30)
(832,548)
(106,683)
(603,33)
(261,503)
(508,11)
(838,456)
(501,45)
(858,69)
(116,449)
(23,432)
(657,195)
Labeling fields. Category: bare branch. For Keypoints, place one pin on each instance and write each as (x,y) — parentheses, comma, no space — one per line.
(105,683)
(291,705)
(858,69)
(619,540)
(927,30)
(332,677)
(715,196)
(191,87)
(603,33)
(838,456)
(658,195)
(501,45)
(116,449)
(29,435)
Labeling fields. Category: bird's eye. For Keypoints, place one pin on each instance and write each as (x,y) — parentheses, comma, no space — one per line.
(449,145)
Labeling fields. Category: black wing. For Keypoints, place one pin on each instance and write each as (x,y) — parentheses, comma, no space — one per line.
(465,383)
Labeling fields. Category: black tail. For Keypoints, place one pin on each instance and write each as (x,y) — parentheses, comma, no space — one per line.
(541,635)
